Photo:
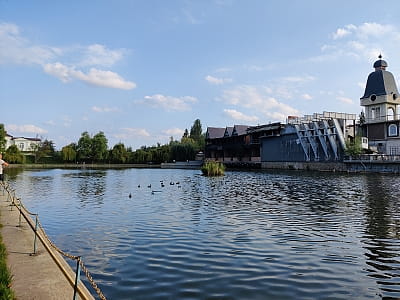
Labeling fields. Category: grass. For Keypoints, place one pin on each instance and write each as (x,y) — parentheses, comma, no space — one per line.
(5,276)
(213,168)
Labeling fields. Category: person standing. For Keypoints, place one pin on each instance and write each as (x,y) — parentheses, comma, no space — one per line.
(2,163)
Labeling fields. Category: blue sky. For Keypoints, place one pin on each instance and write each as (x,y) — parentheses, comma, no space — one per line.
(143,71)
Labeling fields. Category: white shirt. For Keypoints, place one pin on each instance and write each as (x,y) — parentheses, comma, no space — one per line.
(1,166)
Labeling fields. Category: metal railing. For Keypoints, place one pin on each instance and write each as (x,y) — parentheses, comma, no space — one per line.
(39,233)
(373,158)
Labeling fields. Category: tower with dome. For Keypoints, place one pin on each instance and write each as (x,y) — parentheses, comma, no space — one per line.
(381,102)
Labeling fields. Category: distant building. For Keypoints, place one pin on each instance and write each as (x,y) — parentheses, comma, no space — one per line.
(23,144)
(381,102)
(312,138)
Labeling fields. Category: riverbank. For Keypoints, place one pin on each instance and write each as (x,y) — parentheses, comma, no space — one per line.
(83,166)
(34,276)
(346,166)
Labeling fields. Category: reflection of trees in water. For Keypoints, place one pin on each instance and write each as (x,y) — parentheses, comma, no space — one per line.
(91,187)
(12,173)
(382,229)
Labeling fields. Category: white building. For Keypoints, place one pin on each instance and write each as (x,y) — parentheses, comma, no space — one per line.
(24,144)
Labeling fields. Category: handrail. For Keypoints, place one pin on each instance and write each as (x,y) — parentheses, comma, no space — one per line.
(39,232)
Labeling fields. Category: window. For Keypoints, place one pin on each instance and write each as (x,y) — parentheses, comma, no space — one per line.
(390,114)
(375,113)
(392,130)
(21,146)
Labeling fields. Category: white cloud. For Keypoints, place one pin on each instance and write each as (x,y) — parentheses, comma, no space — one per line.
(340,33)
(299,79)
(258,99)
(128,133)
(99,55)
(345,100)
(174,132)
(104,109)
(15,49)
(169,103)
(217,81)
(306,96)
(93,77)
(365,41)
(237,115)
(25,129)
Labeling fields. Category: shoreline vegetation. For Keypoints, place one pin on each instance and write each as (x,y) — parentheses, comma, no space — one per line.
(6,292)
(212,168)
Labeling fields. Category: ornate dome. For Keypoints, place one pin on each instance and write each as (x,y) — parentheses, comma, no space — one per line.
(380,64)
(380,82)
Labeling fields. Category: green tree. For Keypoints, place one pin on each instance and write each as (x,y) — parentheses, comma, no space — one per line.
(196,131)
(45,149)
(354,148)
(197,135)
(69,152)
(99,147)
(13,155)
(185,134)
(182,151)
(84,147)
(2,138)
(119,154)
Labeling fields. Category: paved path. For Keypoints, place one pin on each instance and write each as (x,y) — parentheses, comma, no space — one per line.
(34,276)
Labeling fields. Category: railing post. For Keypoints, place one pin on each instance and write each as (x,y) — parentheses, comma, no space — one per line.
(77,277)
(20,213)
(34,241)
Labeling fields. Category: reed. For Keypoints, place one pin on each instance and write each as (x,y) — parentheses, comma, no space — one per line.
(213,168)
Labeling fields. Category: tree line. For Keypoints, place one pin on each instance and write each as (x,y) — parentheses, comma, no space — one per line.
(94,149)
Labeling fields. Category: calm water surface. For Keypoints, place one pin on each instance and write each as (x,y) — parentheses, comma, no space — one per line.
(247,235)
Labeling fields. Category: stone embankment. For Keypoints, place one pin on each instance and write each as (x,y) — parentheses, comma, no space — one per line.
(35,276)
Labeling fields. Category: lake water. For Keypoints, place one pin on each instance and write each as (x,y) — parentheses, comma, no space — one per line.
(247,235)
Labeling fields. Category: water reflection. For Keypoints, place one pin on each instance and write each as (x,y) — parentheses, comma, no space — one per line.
(91,187)
(382,228)
(259,235)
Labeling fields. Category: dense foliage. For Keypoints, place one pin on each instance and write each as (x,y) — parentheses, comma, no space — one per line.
(13,155)
(2,138)
(94,149)
(353,148)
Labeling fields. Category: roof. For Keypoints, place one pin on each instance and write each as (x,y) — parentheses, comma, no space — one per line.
(228,131)
(380,82)
(27,139)
(215,132)
(240,129)
(267,127)
(380,63)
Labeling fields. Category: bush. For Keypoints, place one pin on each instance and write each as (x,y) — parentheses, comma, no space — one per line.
(213,168)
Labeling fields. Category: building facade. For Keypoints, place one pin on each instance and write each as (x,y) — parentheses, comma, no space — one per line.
(23,144)
(381,102)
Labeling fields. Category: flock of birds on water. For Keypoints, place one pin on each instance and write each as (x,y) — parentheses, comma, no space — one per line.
(162,184)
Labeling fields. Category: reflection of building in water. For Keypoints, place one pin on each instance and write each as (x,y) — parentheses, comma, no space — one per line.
(382,235)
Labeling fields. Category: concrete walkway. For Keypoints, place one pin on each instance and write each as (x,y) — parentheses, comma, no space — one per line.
(34,276)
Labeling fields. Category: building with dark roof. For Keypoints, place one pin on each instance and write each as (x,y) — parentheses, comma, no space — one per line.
(24,144)
(381,104)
